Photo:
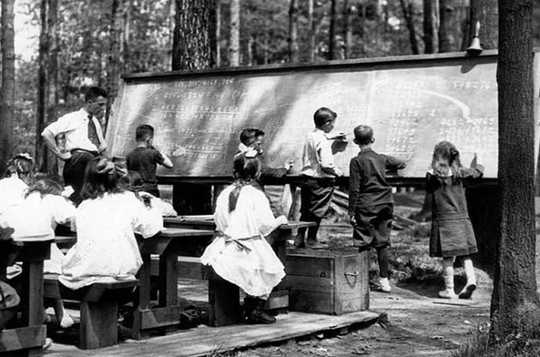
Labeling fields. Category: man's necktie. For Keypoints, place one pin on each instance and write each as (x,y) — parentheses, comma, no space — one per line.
(92,132)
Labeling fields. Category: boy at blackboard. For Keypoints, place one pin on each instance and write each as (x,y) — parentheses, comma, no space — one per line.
(145,158)
(319,173)
(370,199)
(452,234)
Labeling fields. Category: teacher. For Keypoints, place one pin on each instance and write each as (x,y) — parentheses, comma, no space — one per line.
(84,138)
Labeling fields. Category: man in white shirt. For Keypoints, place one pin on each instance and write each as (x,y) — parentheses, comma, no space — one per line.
(319,173)
(83,138)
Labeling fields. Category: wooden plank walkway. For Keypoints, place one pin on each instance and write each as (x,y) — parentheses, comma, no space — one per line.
(202,341)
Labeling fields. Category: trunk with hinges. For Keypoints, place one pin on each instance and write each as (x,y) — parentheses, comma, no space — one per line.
(330,282)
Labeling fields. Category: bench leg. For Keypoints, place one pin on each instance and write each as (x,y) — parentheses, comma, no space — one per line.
(98,324)
(224,299)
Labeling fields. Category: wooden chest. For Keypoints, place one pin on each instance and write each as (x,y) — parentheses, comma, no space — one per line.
(330,282)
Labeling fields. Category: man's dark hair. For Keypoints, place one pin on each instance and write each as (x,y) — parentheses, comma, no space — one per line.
(144,132)
(323,115)
(248,135)
(363,135)
(93,93)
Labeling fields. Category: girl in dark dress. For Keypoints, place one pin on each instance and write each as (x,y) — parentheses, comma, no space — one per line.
(452,234)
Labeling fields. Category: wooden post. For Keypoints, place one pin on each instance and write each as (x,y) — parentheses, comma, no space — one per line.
(224,300)
(100,327)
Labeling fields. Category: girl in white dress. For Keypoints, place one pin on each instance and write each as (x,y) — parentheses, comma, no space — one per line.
(18,176)
(240,253)
(106,222)
(35,218)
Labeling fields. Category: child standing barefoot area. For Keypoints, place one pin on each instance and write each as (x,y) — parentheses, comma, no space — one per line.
(452,233)
(240,253)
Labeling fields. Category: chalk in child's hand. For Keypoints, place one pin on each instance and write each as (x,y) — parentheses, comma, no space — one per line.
(68,191)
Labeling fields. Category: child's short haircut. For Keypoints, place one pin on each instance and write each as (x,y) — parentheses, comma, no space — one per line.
(363,135)
(248,135)
(144,132)
(323,115)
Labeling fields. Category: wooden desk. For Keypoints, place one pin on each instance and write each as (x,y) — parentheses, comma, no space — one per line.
(278,238)
(167,244)
(29,334)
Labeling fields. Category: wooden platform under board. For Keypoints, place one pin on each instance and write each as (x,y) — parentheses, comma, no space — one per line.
(204,340)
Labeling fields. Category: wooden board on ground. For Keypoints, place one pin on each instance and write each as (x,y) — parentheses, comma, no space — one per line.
(203,341)
(412,102)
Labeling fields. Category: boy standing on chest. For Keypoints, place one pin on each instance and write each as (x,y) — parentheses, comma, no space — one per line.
(371,206)
(319,173)
(145,158)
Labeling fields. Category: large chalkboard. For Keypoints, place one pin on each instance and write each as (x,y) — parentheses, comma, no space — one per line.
(411,104)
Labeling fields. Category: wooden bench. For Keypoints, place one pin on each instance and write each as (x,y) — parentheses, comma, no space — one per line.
(29,332)
(99,308)
(168,245)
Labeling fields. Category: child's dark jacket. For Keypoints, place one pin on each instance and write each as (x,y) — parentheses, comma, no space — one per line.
(368,186)
(452,233)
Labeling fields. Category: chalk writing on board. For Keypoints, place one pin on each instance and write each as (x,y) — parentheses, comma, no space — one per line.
(411,108)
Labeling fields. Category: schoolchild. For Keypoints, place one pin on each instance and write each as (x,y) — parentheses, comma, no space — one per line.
(371,204)
(452,233)
(35,218)
(18,175)
(240,253)
(145,158)
(106,222)
(320,172)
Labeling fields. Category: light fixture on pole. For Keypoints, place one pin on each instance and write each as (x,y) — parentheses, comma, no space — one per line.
(475,48)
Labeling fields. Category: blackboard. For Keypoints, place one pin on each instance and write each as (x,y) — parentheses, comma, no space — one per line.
(411,103)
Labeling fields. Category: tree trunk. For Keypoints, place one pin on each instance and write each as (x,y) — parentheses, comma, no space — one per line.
(484,11)
(194,35)
(116,56)
(234,44)
(332,32)
(43,85)
(50,162)
(429,43)
(194,48)
(126,22)
(408,12)
(218,33)
(311,32)
(348,13)
(514,305)
(7,103)
(447,40)
(293,31)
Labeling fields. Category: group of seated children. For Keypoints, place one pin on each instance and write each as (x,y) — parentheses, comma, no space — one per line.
(114,208)
(116,205)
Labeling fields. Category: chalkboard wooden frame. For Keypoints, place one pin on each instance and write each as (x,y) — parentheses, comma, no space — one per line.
(364,64)
(391,61)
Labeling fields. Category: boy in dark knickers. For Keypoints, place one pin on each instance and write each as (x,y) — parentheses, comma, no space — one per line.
(371,205)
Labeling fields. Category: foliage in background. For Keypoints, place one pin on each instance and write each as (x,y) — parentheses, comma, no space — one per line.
(378,29)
